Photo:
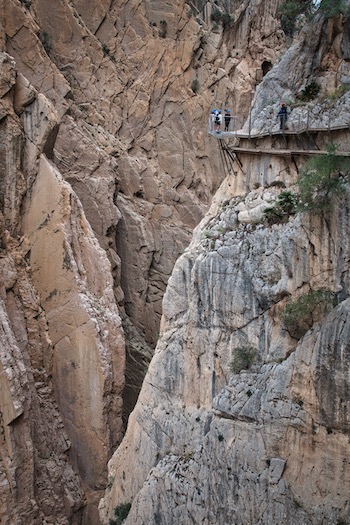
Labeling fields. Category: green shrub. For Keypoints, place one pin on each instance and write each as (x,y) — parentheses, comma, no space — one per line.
(215,15)
(289,10)
(310,91)
(227,20)
(332,8)
(224,18)
(323,177)
(286,204)
(243,358)
(120,514)
(299,315)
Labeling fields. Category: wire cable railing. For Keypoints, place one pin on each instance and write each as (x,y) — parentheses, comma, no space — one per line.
(232,126)
(229,124)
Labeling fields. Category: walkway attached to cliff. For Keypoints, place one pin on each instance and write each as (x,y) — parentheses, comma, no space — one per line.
(284,152)
(293,142)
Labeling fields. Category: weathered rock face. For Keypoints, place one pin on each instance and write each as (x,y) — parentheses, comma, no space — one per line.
(125,72)
(37,480)
(62,345)
(72,276)
(103,116)
(269,445)
(317,57)
(269,442)
(103,151)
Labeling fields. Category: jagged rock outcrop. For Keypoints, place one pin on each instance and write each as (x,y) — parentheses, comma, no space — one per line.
(62,344)
(103,151)
(269,445)
(125,74)
(105,170)
(267,442)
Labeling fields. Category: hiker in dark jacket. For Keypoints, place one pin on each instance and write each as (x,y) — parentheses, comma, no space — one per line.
(283,116)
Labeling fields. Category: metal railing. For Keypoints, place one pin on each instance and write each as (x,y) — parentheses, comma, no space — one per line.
(229,124)
(300,123)
(295,124)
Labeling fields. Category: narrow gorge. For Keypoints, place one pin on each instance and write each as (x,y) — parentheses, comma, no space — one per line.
(174,303)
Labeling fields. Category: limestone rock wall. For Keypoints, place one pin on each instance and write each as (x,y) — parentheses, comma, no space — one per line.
(105,169)
(269,443)
(120,78)
(318,56)
(104,151)
(62,344)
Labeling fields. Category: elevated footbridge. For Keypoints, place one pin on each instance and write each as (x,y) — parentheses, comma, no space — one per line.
(300,140)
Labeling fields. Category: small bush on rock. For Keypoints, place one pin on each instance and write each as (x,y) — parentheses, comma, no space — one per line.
(310,91)
(121,513)
(195,85)
(289,11)
(286,205)
(299,315)
(224,18)
(243,358)
(323,177)
(332,8)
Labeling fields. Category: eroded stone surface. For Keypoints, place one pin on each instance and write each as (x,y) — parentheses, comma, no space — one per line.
(259,441)
(62,344)
(209,444)
(104,94)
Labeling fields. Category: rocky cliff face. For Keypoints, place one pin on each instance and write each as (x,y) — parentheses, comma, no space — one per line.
(62,344)
(267,441)
(105,169)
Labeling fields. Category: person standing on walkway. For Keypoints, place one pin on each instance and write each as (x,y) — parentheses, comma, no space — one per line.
(227,119)
(218,120)
(283,116)
(212,119)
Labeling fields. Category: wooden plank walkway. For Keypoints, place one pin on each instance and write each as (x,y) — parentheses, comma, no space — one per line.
(239,134)
(285,152)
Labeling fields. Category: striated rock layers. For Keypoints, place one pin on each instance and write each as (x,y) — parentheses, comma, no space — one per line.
(265,442)
(132,131)
(207,444)
(61,343)
(105,169)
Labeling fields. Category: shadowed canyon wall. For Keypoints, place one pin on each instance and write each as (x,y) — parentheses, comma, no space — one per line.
(106,169)
(220,437)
